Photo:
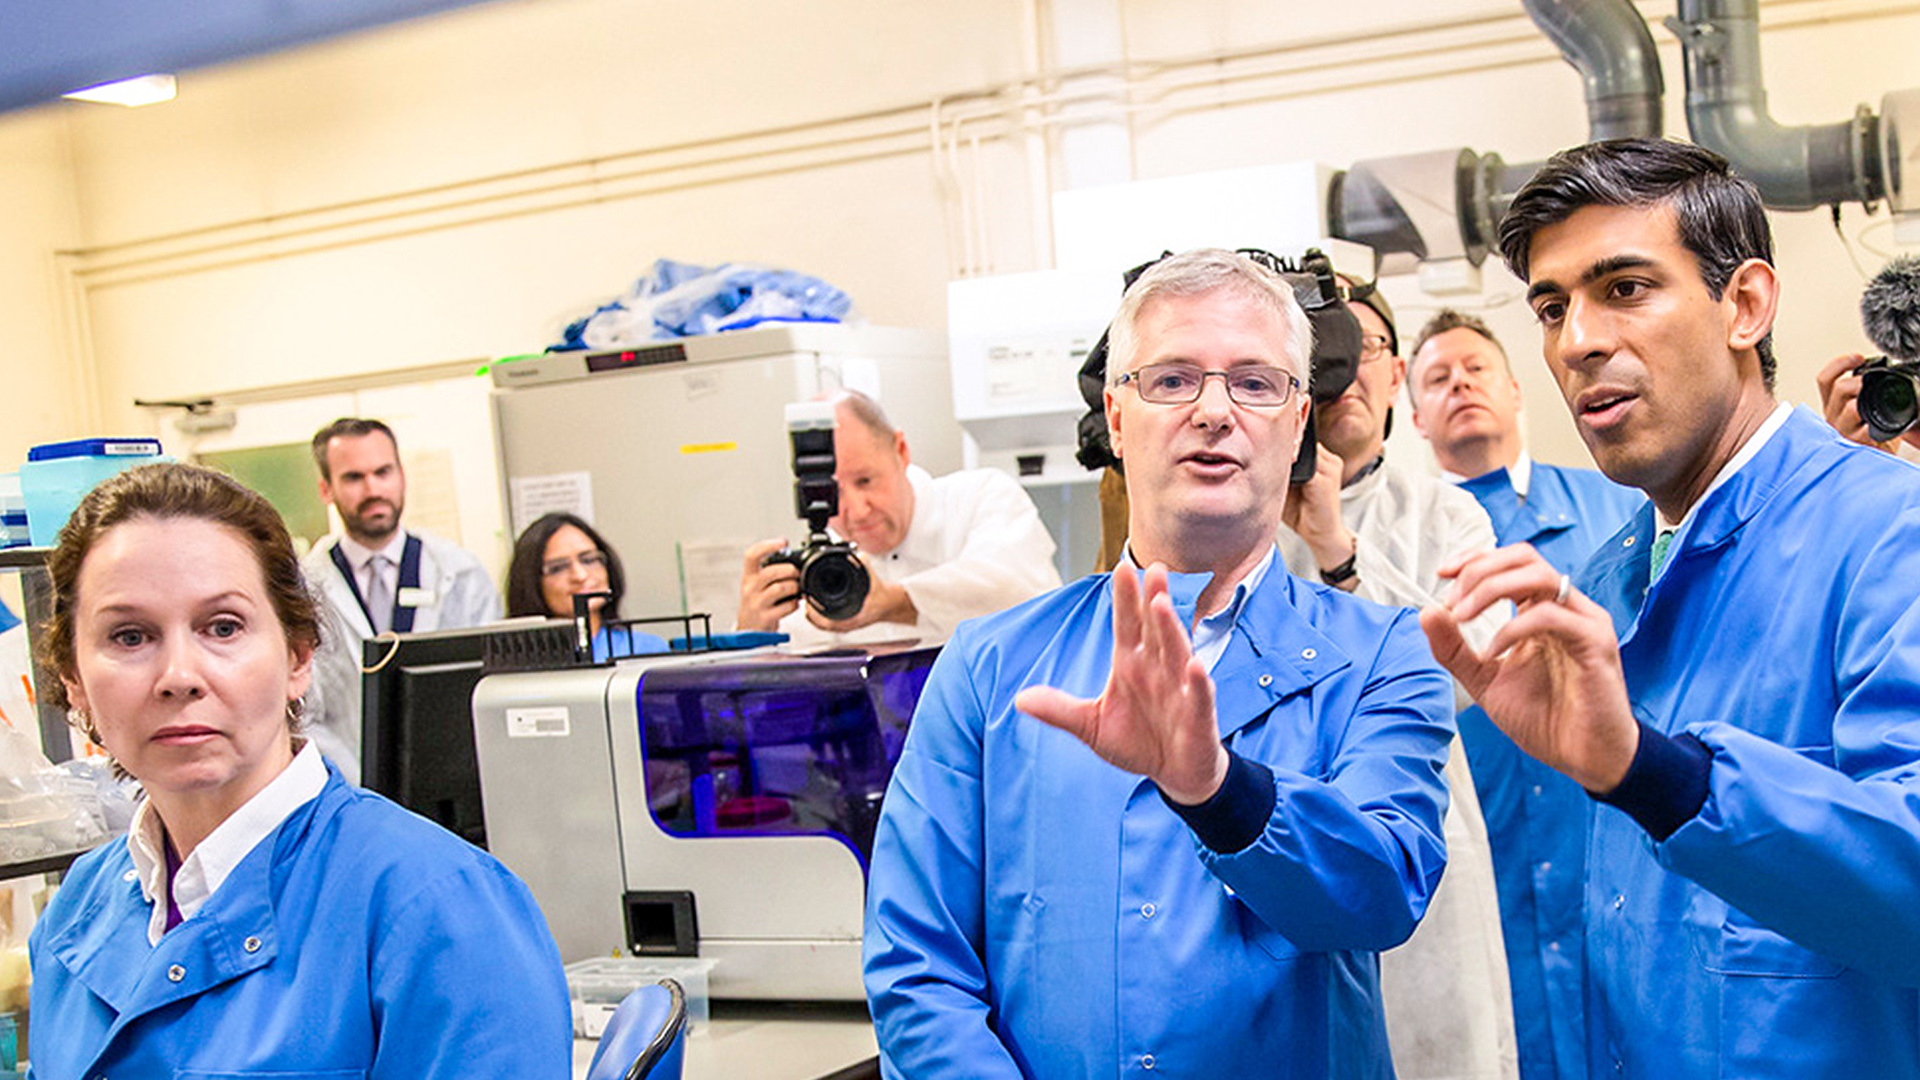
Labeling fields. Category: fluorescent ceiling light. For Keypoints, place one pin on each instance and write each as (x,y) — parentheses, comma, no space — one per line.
(142,90)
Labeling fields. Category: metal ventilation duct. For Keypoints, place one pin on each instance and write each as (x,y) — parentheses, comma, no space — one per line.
(1446,204)
(1795,168)
(1609,44)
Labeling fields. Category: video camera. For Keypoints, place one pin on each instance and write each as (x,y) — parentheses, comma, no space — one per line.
(832,578)
(1890,314)
(1335,361)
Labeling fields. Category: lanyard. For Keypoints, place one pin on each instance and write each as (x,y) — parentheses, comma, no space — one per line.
(409,579)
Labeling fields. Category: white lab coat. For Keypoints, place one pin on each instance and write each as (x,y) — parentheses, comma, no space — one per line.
(460,594)
(1449,1007)
(975,545)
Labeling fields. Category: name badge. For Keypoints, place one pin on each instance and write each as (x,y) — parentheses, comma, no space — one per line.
(417,598)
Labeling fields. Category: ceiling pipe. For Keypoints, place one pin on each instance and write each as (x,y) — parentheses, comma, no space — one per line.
(1381,202)
(1795,168)
(1609,44)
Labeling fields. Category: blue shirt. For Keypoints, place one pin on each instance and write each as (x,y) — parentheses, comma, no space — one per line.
(1033,910)
(1537,818)
(355,940)
(1775,933)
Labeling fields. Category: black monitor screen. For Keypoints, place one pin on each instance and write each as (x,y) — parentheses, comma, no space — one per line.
(416,735)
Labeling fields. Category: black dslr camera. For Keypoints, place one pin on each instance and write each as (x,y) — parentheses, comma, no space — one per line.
(832,578)
(1889,396)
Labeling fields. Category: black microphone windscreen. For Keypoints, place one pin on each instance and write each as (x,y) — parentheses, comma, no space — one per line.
(1890,308)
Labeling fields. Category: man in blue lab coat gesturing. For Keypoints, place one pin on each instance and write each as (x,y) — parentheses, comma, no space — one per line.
(1162,822)
(1737,672)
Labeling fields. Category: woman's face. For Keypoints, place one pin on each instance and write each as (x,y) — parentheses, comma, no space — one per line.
(183,663)
(571,564)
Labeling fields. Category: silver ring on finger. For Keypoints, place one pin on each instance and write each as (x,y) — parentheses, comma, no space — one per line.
(1566,589)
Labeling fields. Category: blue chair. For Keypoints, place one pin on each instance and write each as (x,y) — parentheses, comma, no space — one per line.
(646,1037)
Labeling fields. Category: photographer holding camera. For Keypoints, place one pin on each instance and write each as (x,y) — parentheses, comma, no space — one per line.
(1877,402)
(936,550)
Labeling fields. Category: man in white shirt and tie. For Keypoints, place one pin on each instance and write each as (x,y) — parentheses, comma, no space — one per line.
(378,577)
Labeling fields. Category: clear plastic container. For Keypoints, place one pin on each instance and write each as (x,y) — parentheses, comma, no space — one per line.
(598,986)
(58,475)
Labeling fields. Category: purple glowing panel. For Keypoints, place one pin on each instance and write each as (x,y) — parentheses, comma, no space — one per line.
(771,745)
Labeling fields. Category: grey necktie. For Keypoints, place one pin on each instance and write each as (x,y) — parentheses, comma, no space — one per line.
(379,600)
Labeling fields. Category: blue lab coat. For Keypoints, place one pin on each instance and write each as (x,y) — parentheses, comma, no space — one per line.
(357,940)
(1537,818)
(1035,911)
(1776,934)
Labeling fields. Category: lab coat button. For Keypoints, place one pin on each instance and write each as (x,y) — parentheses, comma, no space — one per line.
(1147,1062)
(1628,542)
(1266,680)
(252,944)
(1546,867)
(131,875)
(1308,654)
(1619,902)
(176,973)
(1147,909)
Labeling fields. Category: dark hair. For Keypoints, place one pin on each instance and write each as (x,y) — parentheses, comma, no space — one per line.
(346,427)
(530,551)
(1449,319)
(1720,216)
(165,492)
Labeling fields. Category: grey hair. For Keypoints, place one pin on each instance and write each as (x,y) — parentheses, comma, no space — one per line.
(1198,273)
(866,412)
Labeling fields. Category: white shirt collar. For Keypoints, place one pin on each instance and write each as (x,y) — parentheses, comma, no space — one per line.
(1213,632)
(1519,474)
(358,553)
(920,543)
(207,867)
(1751,449)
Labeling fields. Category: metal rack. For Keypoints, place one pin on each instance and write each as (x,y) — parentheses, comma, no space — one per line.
(36,590)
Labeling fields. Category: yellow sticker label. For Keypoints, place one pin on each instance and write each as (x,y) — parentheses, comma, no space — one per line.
(708,447)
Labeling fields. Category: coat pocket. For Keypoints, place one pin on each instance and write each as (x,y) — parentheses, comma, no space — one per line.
(1747,948)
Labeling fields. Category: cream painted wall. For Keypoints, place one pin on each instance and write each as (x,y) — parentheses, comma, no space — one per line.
(460,187)
(44,396)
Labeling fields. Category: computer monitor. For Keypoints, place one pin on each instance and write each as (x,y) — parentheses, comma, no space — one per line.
(416,734)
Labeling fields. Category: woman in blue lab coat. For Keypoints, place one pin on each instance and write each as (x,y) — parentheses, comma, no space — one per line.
(560,556)
(261,917)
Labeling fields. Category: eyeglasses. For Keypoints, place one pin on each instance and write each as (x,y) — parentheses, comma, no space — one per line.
(1258,386)
(1374,346)
(588,560)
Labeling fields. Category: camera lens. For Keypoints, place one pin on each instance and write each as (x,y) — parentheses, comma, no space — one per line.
(1889,402)
(834,581)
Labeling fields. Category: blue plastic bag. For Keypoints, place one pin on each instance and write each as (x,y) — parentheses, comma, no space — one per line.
(681,299)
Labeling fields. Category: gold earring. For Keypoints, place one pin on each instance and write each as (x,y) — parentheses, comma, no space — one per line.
(84,722)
